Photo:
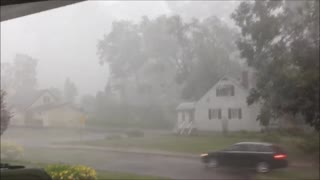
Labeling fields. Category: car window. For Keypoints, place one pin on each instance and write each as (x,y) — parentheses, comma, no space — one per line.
(260,148)
(237,147)
(277,149)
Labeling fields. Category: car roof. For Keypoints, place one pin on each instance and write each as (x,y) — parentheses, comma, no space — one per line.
(254,143)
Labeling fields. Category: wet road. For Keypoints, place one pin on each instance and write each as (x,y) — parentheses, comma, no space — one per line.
(154,165)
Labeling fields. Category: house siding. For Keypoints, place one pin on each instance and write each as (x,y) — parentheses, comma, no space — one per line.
(249,113)
(63,117)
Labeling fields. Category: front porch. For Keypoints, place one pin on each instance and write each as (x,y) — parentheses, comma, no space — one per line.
(185,119)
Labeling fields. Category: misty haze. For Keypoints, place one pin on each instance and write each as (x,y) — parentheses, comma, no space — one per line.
(161,89)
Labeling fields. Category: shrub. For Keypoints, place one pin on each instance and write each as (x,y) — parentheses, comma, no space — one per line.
(135,133)
(296,132)
(309,144)
(78,172)
(271,137)
(11,150)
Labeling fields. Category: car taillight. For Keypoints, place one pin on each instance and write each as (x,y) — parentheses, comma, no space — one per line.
(280,156)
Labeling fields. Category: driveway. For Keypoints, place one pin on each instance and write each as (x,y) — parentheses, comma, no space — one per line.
(154,165)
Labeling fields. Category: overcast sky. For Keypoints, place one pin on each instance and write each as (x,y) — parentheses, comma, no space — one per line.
(64,40)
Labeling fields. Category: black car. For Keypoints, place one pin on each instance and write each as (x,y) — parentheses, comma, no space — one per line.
(261,156)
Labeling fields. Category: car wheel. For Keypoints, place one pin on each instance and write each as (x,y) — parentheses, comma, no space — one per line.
(262,167)
(212,163)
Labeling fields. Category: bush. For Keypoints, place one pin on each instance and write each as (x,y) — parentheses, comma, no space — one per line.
(309,144)
(78,172)
(296,132)
(135,133)
(11,150)
(271,137)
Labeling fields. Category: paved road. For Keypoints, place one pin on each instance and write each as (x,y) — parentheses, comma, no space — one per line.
(155,165)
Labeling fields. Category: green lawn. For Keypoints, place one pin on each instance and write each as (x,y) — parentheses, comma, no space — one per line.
(291,173)
(172,143)
(201,144)
(100,174)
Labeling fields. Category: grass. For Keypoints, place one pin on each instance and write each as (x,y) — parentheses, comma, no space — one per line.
(290,173)
(172,143)
(200,144)
(100,173)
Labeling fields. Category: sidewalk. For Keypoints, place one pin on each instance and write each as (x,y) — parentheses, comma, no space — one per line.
(151,152)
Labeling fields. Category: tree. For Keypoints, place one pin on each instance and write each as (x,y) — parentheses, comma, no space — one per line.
(280,39)
(21,75)
(70,91)
(87,102)
(212,42)
(5,114)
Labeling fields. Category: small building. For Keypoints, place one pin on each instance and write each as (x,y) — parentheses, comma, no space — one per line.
(43,109)
(223,108)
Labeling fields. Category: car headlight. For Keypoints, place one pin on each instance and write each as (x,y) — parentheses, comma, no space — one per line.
(202,155)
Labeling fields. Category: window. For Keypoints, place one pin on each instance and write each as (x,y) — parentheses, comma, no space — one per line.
(225,90)
(238,147)
(263,148)
(234,113)
(214,114)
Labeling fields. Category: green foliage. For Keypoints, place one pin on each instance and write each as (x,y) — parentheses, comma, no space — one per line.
(281,41)
(5,114)
(270,137)
(10,150)
(77,172)
(309,144)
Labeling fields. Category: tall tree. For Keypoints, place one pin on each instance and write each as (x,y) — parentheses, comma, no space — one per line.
(280,39)
(5,114)
(21,75)
(70,91)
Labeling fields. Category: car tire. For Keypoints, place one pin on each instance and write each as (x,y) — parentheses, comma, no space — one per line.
(263,167)
(212,163)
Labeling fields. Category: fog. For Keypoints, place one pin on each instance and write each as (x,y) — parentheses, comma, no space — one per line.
(64,39)
(145,87)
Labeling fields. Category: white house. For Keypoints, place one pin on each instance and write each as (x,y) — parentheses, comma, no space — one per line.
(223,108)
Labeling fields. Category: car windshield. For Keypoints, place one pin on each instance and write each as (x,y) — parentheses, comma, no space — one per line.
(144,89)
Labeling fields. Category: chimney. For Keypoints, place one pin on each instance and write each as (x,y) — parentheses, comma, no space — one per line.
(245,79)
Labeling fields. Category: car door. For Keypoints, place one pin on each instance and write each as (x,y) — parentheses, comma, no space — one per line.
(233,156)
(250,156)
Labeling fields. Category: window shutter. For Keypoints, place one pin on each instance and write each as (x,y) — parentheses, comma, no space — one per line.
(229,113)
(209,114)
(219,114)
(240,113)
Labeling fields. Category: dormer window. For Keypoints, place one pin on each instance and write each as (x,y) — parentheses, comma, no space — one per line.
(225,90)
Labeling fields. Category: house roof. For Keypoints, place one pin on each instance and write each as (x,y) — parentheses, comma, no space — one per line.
(186,106)
(23,101)
(46,107)
(51,106)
